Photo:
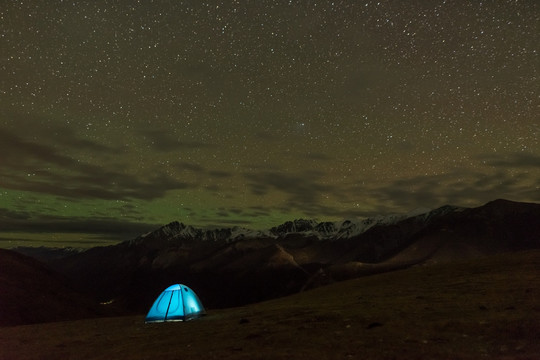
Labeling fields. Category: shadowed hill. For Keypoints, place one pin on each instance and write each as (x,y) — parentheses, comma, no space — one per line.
(32,293)
(499,226)
(231,271)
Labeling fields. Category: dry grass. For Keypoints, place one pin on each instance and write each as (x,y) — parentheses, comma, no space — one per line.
(488,308)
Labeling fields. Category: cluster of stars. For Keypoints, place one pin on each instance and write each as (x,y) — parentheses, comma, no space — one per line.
(212,91)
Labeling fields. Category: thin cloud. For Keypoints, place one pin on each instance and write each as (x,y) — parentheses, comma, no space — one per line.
(164,141)
(219,173)
(187,166)
(40,168)
(514,160)
(317,156)
(107,227)
(459,188)
(302,189)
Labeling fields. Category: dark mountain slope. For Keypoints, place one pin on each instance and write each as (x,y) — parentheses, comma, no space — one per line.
(498,226)
(230,267)
(32,293)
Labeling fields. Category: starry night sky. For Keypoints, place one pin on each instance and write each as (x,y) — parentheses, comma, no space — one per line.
(117,117)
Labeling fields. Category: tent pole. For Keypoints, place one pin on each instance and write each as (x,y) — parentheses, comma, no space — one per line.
(182,298)
(168,306)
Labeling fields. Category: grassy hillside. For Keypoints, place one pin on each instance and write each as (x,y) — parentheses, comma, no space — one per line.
(487,308)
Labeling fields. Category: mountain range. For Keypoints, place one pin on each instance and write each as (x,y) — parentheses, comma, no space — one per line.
(236,266)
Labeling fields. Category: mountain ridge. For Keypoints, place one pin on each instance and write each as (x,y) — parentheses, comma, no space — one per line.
(236,266)
(332,230)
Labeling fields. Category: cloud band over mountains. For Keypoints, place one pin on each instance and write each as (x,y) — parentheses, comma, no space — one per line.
(37,167)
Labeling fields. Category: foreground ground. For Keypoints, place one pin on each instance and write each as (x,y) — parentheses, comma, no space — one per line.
(488,308)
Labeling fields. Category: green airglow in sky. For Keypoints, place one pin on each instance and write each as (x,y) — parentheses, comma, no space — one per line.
(116,118)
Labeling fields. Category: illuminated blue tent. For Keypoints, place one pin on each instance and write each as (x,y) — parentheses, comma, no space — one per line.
(176,303)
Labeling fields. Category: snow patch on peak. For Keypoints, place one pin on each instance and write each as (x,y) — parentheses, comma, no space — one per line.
(349,228)
(333,230)
(294,227)
(179,231)
(239,233)
(328,230)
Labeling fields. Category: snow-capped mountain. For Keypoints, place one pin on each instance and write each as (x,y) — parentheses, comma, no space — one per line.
(179,231)
(337,230)
(332,230)
(299,254)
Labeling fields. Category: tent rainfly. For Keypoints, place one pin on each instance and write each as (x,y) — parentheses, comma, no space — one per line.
(176,303)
